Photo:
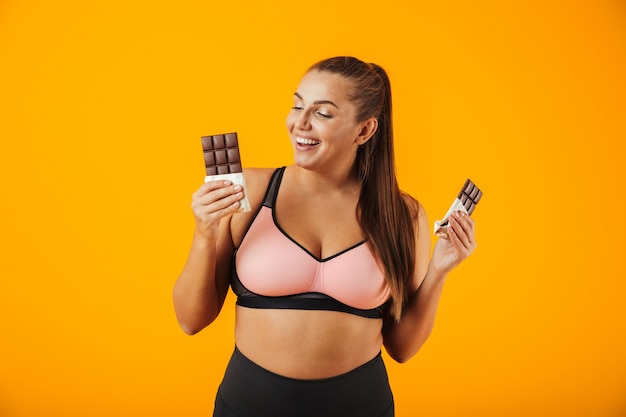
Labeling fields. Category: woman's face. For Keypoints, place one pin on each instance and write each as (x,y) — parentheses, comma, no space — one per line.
(322,123)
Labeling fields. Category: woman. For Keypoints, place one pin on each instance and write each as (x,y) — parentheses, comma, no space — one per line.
(331,264)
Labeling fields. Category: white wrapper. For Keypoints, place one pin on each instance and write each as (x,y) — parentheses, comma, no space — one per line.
(441,226)
(236,178)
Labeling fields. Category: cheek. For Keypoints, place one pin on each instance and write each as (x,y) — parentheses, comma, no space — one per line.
(290,121)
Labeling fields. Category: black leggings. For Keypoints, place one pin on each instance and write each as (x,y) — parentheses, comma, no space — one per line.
(249,390)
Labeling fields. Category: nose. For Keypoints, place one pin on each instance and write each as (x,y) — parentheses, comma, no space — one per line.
(302,120)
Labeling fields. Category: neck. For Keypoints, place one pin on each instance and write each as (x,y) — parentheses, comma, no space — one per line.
(327,182)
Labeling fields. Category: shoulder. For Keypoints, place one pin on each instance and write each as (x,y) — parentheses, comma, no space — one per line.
(422,239)
(258,177)
(418,213)
(421,225)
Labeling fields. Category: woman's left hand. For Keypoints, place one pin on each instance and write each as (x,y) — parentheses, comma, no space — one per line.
(451,251)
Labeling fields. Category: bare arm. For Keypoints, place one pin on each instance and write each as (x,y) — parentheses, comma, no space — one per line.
(201,288)
(403,339)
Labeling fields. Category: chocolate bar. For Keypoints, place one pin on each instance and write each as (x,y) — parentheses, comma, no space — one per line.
(223,161)
(465,201)
(469,196)
(221,154)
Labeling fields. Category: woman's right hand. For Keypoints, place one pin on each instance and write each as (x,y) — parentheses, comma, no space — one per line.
(213,201)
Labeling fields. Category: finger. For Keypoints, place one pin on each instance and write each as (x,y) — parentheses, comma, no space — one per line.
(467,220)
(220,208)
(228,201)
(215,194)
(456,241)
(212,214)
(460,233)
(217,200)
(209,186)
(466,223)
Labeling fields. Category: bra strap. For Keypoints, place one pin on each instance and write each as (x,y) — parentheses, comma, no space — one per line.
(272,189)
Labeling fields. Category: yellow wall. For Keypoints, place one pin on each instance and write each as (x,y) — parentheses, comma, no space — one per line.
(102,104)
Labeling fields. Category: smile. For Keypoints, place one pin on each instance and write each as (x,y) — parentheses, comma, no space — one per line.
(305,141)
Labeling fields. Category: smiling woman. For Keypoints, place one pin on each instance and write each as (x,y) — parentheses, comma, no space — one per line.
(327,267)
(101,107)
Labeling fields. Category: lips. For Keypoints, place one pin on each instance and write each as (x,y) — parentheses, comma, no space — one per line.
(306,141)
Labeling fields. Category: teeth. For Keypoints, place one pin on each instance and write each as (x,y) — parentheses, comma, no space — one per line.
(305,141)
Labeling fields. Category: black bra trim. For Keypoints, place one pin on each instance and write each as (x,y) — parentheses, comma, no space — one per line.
(303,301)
(291,303)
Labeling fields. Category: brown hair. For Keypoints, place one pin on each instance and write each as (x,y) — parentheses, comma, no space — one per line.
(382,211)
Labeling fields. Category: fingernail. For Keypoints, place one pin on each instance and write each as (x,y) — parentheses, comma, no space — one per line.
(237,187)
(226,182)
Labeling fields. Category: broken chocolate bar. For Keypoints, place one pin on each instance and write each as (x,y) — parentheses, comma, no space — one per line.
(469,196)
(466,201)
(223,162)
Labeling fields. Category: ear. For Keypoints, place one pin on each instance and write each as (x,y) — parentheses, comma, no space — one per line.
(367,130)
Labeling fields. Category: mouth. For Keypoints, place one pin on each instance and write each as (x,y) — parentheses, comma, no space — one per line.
(306,141)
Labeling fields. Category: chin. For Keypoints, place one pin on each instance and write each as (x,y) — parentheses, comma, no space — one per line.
(302,162)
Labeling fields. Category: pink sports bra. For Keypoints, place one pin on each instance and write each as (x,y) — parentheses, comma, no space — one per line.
(273,271)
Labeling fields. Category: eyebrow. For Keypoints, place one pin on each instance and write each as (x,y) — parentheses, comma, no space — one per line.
(318,101)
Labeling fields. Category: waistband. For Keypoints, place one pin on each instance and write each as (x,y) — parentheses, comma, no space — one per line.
(253,391)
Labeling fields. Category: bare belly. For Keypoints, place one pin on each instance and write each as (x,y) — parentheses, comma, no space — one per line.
(306,344)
